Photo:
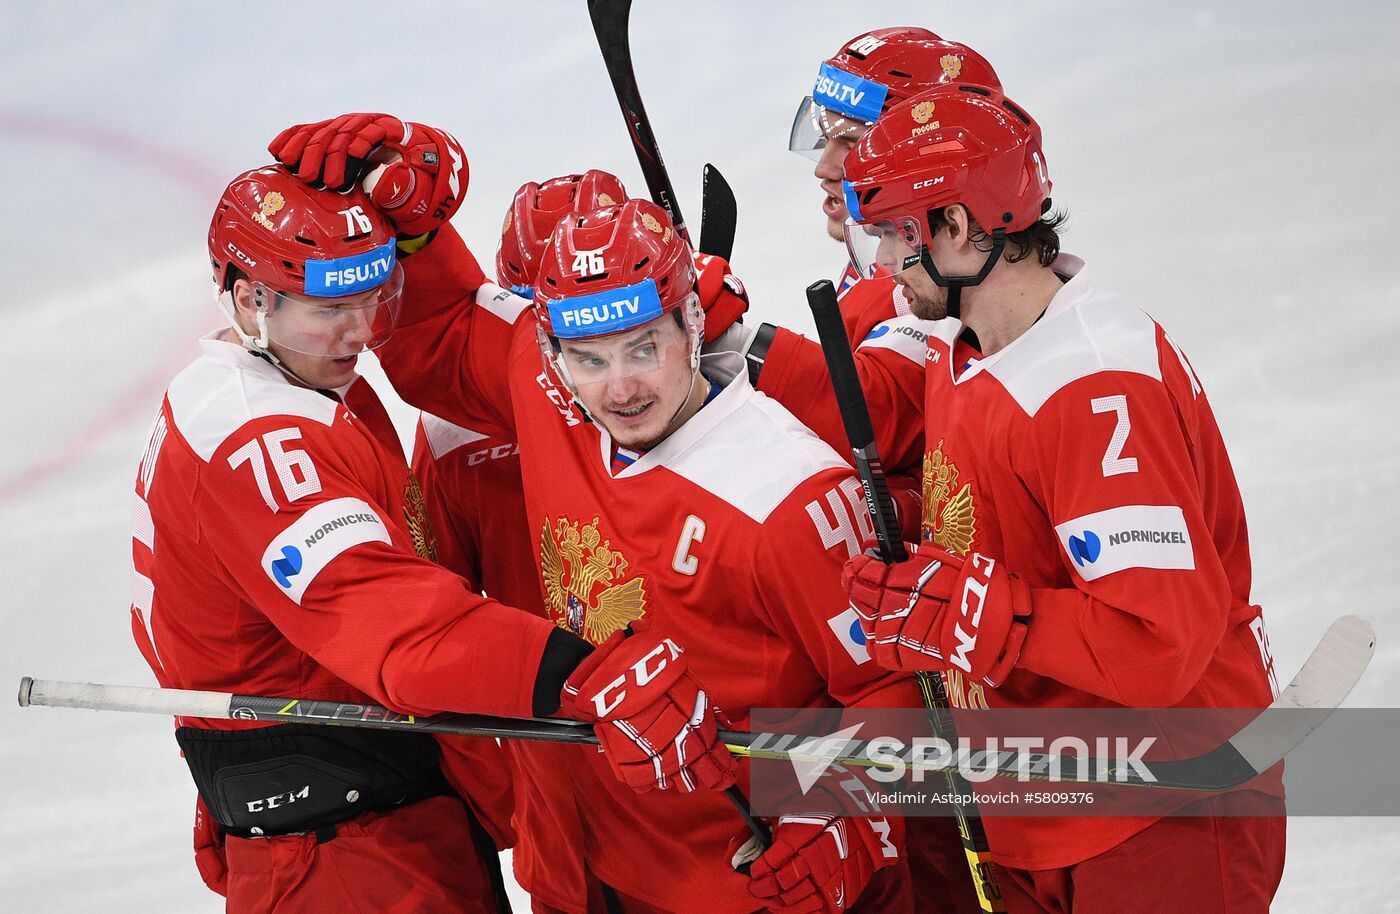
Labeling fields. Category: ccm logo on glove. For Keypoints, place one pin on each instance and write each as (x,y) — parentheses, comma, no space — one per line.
(642,672)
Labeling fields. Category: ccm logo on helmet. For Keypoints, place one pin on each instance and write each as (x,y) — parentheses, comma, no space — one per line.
(974,593)
(931,182)
(642,672)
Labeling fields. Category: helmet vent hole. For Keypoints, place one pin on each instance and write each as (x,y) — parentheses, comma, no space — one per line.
(594,278)
(975,90)
(358,237)
(1018,112)
(868,196)
(643,262)
(901,74)
(550,281)
(306,241)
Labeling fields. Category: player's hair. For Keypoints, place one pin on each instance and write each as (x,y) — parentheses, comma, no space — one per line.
(1041,238)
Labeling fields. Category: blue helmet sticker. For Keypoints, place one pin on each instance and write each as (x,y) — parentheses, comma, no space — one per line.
(848,190)
(607,312)
(350,275)
(849,94)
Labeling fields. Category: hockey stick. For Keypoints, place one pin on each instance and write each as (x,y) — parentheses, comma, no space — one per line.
(1323,682)
(720,210)
(855,415)
(610,26)
(718,216)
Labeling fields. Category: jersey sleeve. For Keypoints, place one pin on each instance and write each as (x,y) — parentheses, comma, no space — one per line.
(890,365)
(804,545)
(457,548)
(1114,459)
(317,552)
(448,352)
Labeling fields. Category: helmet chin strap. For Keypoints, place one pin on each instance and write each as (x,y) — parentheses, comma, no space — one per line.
(955,284)
(257,345)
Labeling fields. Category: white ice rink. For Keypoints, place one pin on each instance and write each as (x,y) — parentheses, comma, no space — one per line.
(1231,166)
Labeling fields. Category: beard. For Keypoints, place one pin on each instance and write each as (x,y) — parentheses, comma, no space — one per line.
(929,306)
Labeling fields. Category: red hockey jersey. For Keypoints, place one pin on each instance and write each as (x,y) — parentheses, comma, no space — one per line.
(1085,456)
(476,504)
(277,536)
(728,537)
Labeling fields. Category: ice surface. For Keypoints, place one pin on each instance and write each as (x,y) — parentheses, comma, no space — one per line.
(1229,166)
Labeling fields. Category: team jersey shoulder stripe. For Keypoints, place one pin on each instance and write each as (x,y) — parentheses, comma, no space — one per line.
(215,397)
(443,437)
(779,455)
(1096,333)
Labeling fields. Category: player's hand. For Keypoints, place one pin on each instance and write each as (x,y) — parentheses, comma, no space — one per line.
(415,175)
(908,496)
(820,863)
(657,726)
(209,856)
(722,296)
(939,610)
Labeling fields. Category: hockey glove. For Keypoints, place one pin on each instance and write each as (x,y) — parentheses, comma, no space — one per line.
(657,726)
(209,855)
(722,296)
(940,611)
(415,175)
(821,863)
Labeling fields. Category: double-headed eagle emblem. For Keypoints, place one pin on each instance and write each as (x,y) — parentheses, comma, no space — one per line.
(585,581)
(950,519)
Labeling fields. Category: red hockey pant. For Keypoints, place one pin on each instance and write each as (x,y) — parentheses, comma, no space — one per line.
(1224,865)
(415,860)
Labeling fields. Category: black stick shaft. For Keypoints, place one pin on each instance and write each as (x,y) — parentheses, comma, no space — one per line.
(610,27)
(855,415)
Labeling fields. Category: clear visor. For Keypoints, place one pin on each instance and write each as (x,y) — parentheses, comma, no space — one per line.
(331,328)
(815,125)
(590,363)
(885,248)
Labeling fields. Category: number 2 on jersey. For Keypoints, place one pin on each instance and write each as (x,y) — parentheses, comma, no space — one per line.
(1114,463)
(287,462)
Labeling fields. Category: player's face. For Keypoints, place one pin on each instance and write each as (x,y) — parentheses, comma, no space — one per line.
(841,136)
(927,300)
(318,340)
(634,383)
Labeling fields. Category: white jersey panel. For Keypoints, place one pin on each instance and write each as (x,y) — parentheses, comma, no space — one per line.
(744,448)
(219,392)
(1084,331)
(503,303)
(444,437)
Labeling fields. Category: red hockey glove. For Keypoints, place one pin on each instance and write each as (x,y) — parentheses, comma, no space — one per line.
(657,726)
(939,610)
(722,296)
(821,863)
(907,493)
(416,175)
(209,856)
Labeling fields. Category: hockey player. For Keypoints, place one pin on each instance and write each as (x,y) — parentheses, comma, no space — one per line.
(1057,417)
(472,487)
(629,455)
(280,548)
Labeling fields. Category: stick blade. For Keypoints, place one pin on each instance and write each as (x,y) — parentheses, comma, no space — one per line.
(1323,683)
(719,214)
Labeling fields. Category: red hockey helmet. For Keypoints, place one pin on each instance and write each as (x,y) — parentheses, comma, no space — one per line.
(305,253)
(536,210)
(874,72)
(953,144)
(612,270)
